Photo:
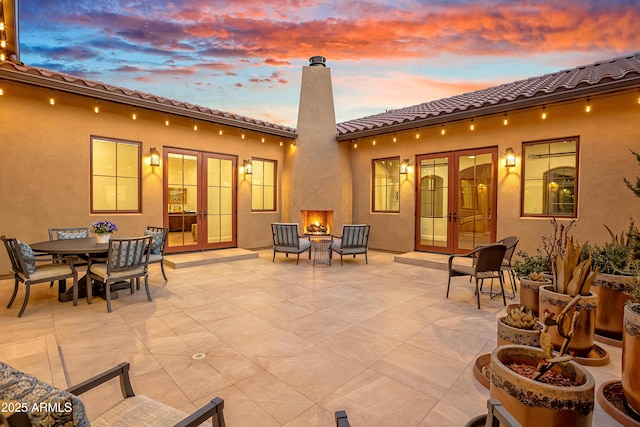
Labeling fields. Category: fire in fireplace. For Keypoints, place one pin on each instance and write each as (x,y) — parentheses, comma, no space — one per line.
(317,222)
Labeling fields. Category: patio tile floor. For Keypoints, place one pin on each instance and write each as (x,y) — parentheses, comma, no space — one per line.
(284,344)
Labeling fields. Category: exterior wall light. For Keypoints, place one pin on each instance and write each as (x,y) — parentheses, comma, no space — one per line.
(509,158)
(248,168)
(154,157)
(404,166)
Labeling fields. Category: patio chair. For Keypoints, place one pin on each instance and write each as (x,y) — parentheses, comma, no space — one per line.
(25,270)
(354,241)
(70,233)
(487,265)
(64,408)
(342,419)
(158,245)
(510,242)
(128,260)
(497,416)
(287,240)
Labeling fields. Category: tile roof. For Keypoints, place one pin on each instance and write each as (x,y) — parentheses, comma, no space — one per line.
(501,98)
(61,81)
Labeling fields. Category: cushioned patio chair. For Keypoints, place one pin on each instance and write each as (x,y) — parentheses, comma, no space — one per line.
(128,260)
(158,245)
(287,240)
(71,233)
(25,270)
(354,241)
(487,264)
(64,408)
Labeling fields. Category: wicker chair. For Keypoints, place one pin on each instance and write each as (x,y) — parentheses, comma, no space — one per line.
(25,270)
(287,240)
(128,259)
(133,410)
(158,245)
(354,241)
(487,265)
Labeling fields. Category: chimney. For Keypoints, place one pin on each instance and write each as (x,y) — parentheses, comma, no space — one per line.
(317,170)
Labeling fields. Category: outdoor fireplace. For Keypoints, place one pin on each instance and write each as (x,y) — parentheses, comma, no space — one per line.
(317,222)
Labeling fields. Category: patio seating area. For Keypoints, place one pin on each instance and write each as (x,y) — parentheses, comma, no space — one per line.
(282,344)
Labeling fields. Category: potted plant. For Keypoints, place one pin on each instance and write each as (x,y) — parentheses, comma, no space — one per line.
(572,277)
(519,326)
(103,230)
(618,263)
(540,388)
(630,349)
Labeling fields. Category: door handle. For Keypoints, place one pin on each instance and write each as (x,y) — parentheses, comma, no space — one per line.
(449,216)
(455,216)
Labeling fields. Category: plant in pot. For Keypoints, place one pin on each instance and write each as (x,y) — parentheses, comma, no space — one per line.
(574,277)
(540,388)
(618,264)
(630,350)
(519,326)
(529,270)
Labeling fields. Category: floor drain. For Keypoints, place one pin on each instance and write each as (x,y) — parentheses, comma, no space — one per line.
(198,356)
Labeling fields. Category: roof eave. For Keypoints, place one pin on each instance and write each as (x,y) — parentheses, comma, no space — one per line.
(102,95)
(502,107)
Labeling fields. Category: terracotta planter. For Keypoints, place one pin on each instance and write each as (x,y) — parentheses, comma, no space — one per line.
(613,292)
(534,403)
(510,335)
(582,342)
(630,361)
(529,293)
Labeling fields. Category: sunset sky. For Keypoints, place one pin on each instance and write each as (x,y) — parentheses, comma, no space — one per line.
(246,57)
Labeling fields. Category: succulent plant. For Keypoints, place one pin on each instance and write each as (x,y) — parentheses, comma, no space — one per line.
(521,317)
(572,277)
(537,276)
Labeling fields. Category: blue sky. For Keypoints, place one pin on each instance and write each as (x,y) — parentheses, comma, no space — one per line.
(246,57)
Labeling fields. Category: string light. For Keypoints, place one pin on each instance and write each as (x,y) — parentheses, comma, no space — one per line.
(394,138)
(544,113)
(355,145)
(242,133)
(373,142)
(1,90)
(3,44)
(472,126)
(443,130)
(280,143)
(505,121)
(96,109)
(166,120)
(195,125)
(220,130)
(134,116)
(2,57)
(52,100)
(588,107)
(262,138)
(418,133)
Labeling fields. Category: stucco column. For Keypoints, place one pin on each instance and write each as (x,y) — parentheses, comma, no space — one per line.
(317,171)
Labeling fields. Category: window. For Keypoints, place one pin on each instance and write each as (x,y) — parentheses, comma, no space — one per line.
(550,183)
(386,185)
(115,175)
(263,185)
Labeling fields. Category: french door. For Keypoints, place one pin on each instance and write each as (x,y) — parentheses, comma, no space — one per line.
(200,200)
(456,200)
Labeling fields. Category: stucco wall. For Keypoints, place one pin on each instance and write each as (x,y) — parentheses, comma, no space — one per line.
(606,135)
(45,170)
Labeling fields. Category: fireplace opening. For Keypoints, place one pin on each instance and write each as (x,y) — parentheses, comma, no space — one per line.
(317,222)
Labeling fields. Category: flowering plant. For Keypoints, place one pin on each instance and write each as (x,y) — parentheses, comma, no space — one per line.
(103,227)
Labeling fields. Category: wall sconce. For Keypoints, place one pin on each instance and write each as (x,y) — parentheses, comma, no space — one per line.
(248,168)
(404,166)
(509,158)
(154,157)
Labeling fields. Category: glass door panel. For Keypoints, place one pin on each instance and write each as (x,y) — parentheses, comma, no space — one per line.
(433,204)
(220,211)
(475,199)
(182,199)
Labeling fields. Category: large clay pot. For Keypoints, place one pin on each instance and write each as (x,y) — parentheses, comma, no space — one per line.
(529,293)
(534,403)
(613,292)
(582,342)
(510,335)
(630,360)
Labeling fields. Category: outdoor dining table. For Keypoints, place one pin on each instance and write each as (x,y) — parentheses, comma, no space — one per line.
(85,246)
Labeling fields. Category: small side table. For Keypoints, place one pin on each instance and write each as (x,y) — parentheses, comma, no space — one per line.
(321,252)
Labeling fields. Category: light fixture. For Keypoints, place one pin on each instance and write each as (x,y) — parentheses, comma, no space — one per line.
(220,130)
(373,142)
(96,109)
(166,120)
(418,133)
(505,121)
(443,130)
(280,143)
(404,166)
(262,138)
(588,107)
(509,158)
(154,157)
(544,112)
(3,43)
(355,145)
(195,125)
(472,126)
(394,138)
(52,100)
(1,90)
(2,57)
(248,168)
(134,116)
(242,133)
